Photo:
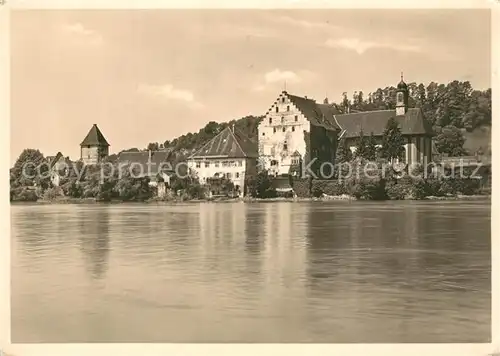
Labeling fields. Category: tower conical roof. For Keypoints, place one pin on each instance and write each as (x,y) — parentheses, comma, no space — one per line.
(94,138)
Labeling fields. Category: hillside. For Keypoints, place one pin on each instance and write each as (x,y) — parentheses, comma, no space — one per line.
(460,115)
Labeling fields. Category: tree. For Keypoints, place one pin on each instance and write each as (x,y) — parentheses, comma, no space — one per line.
(361,144)
(450,141)
(392,141)
(371,148)
(344,153)
(30,168)
(153,146)
(261,186)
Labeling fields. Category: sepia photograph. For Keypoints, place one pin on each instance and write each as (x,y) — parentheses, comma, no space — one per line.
(250,176)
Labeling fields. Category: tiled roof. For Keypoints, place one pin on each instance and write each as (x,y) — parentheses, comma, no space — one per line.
(94,138)
(317,114)
(228,143)
(57,160)
(140,160)
(412,123)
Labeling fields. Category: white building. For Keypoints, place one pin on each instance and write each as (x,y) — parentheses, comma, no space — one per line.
(296,128)
(229,155)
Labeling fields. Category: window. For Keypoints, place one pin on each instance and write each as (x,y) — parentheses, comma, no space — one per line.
(240,163)
(228,175)
(274,130)
(296,118)
(216,164)
(284,129)
(263,134)
(277,109)
(288,108)
(282,119)
(237,175)
(285,146)
(274,162)
(198,164)
(270,121)
(207,164)
(293,128)
(400,97)
(224,163)
(283,99)
(295,161)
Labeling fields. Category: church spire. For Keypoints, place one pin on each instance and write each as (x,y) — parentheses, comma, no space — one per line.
(401,97)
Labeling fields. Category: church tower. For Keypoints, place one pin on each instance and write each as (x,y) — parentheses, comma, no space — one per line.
(401,97)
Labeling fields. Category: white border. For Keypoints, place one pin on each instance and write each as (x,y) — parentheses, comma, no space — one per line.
(231,349)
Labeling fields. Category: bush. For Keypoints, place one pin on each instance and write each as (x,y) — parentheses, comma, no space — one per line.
(329,187)
(368,189)
(317,192)
(23,194)
(400,189)
(301,188)
(53,193)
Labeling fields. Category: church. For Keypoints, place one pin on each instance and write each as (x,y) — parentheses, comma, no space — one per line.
(298,128)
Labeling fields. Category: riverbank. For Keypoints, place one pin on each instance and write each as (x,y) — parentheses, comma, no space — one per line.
(345,198)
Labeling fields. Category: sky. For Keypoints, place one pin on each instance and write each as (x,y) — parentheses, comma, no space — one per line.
(151,75)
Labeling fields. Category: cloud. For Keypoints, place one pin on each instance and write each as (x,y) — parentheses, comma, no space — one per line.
(80,32)
(281,76)
(168,91)
(306,24)
(278,76)
(361,46)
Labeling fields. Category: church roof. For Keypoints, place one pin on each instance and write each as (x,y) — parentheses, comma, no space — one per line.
(316,114)
(94,138)
(229,143)
(412,123)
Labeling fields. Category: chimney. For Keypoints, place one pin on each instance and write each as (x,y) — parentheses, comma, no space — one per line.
(232,128)
(149,155)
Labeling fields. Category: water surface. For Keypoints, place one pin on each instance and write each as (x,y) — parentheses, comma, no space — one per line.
(258,272)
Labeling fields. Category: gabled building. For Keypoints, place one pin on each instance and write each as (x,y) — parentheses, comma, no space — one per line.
(152,164)
(58,167)
(94,147)
(296,126)
(416,130)
(229,155)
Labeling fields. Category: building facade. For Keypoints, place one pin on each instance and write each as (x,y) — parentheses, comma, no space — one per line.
(296,129)
(229,155)
(59,167)
(94,147)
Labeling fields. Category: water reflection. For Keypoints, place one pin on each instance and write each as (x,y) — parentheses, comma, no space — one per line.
(290,272)
(93,234)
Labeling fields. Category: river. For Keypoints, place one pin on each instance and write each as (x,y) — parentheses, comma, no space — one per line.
(340,272)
